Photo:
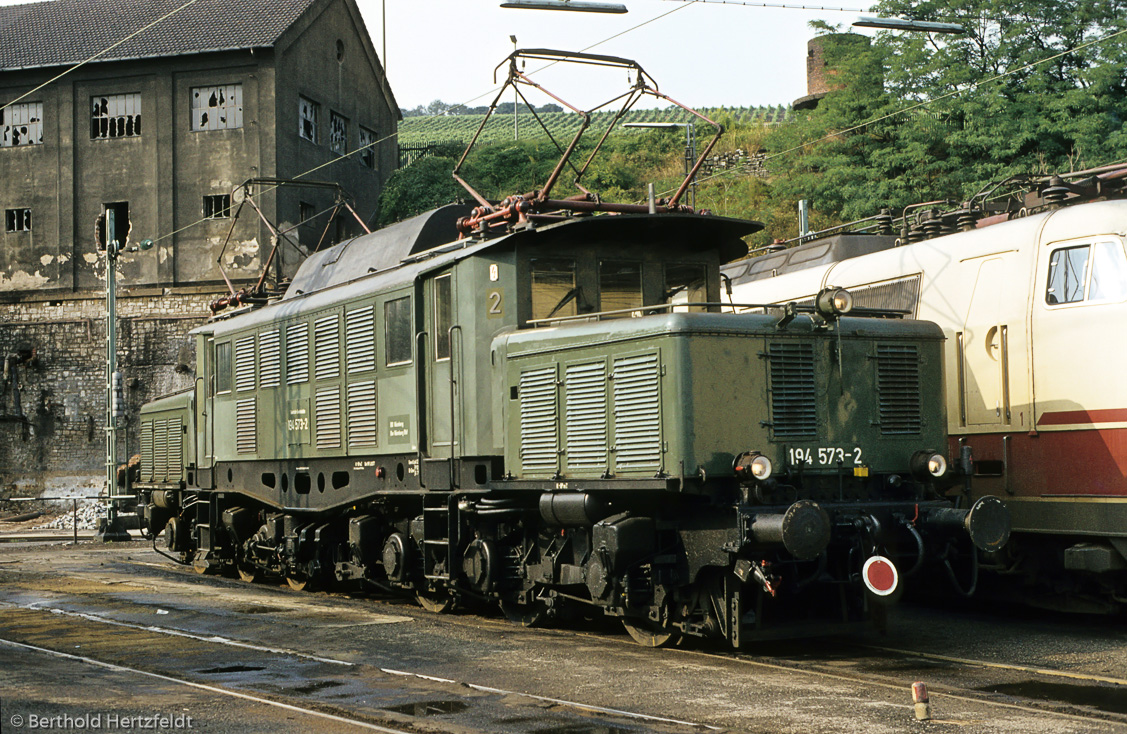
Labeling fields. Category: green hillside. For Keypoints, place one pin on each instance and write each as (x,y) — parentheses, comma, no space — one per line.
(563,125)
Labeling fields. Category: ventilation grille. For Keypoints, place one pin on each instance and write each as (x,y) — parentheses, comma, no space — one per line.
(898,385)
(637,413)
(270,359)
(297,354)
(326,346)
(585,415)
(244,364)
(902,294)
(327,413)
(147,457)
(360,340)
(245,426)
(362,414)
(794,403)
(160,450)
(539,441)
(174,459)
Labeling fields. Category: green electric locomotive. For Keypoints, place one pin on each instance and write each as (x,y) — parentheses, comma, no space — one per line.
(565,417)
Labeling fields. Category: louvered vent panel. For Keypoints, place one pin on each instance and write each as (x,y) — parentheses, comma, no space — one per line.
(794,403)
(246,426)
(297,354)
(637,413)
(244,364)
(326,347)
(898,385)
(362,414)
(160,450)
(902,294)
(360,340)
(327,413)
(175,464)
(539,415)
(147,457)
(585,415)
(270,359)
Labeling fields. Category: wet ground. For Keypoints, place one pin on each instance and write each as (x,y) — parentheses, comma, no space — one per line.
(120,633)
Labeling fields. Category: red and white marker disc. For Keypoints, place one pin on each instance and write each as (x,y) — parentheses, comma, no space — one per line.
(880,576)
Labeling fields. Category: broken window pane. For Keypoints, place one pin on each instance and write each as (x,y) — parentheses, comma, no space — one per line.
(21,124)
(307,119)
(217,206)
(338,133)
(367,147)
(116,116)
(19,220)
(217,108)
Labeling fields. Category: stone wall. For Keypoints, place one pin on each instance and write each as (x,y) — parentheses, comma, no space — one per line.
(62,390)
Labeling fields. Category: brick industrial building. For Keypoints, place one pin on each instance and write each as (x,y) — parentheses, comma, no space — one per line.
(162,129)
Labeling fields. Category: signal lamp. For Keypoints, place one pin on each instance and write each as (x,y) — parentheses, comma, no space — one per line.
(752,466)
(928,465)
(833,302)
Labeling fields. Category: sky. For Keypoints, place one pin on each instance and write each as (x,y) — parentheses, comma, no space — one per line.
(703,54)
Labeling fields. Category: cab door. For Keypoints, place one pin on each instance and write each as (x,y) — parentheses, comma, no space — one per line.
(985,349)
(442,344)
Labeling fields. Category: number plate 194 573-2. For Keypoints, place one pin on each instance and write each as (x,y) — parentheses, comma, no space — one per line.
(825,456)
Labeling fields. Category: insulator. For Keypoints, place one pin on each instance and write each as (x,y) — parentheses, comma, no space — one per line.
(884,222)
(118,393)
(1056,191)
(966,219)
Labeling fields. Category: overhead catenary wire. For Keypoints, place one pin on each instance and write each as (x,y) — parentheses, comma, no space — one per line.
(384,139)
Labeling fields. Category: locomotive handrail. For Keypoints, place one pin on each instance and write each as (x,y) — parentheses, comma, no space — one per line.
(650,310)
(453,386)
(420,387)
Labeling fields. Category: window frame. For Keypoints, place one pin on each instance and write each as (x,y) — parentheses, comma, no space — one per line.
(34,112)
(338,146)
(17,219)
(234,112)
(367,149)
(108,133)
(223,212)
(393,328)
(1090,246)
(315,109)
(442,336)
(224,376)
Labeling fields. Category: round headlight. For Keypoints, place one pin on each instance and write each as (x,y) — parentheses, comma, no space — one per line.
(936,465)
(761,467)
(928,465)
(834,302)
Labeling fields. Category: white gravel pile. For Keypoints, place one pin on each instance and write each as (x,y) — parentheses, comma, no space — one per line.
(88,515)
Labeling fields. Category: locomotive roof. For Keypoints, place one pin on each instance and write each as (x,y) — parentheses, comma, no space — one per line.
(719,324)
(396,255)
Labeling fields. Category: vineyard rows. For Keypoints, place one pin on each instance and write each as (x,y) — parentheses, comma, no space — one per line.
(563,125)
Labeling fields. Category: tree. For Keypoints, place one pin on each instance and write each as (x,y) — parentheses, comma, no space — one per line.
(1019,93)
(424,185)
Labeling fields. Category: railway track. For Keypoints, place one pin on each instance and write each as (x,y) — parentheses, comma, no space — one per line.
(373,663)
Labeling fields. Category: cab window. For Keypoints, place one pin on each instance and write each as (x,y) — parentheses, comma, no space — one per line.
(223,367)
(1096,272)
(443,317)
(686,283)
(554,292)
(620,285)
(397,330)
